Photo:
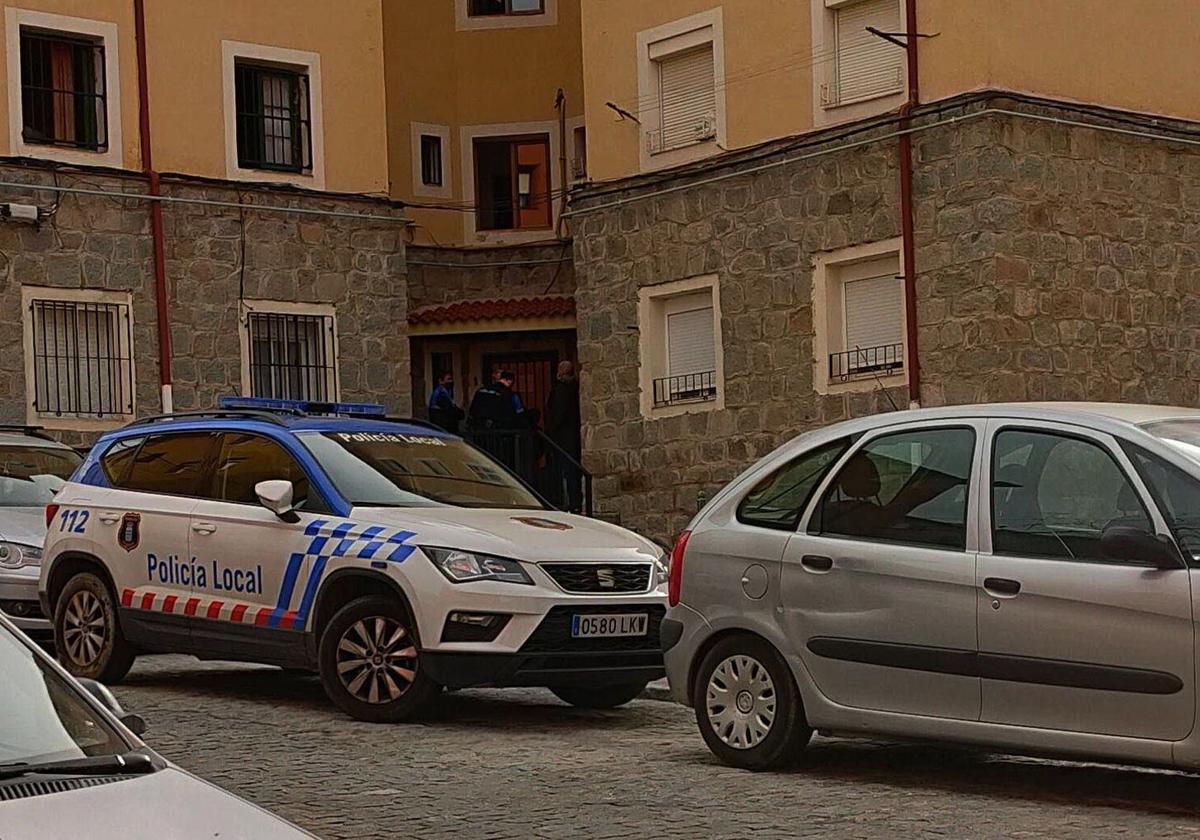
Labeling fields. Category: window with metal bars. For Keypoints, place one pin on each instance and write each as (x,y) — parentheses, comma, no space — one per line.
(274,126)
(292,356)
(82,360)
(431,160)
(63,91)
(490,8)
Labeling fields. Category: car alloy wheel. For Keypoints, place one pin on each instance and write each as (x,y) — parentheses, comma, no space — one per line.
(740,701)
(84,628)
(376,660)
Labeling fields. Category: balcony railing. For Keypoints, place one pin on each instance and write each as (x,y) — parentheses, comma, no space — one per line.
(690,387)
(866,361)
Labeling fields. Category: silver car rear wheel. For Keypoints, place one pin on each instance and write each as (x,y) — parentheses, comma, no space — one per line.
(741,702)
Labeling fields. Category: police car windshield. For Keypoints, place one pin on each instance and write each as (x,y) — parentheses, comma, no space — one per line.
(394,469)
(31,475)
(44,718)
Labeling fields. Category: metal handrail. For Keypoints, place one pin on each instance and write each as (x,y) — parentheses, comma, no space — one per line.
(688,387)
(480,438)
(866,361)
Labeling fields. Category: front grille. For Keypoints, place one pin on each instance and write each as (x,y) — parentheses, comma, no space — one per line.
(24,790)
(600,578)
(553,635)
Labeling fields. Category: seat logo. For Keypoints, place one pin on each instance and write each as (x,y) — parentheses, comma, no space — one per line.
(606,578)
(130,532)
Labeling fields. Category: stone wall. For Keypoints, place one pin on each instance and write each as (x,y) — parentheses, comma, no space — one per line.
(98,242)
(1054,262)
(524,271)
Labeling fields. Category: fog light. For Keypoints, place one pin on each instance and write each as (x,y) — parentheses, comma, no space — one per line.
(474,619)
(473,627)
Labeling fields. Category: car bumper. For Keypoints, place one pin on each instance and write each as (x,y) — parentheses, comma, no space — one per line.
(20,603)
(683,631)
(550,656)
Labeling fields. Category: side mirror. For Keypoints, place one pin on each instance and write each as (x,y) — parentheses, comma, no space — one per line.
(134,723)
(276,496)
(1133,545)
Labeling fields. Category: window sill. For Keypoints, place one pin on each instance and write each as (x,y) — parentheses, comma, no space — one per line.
(659,412)
(77,423)
(66,154)
(870,97)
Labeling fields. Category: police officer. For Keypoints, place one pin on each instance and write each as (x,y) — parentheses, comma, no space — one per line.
(443,411)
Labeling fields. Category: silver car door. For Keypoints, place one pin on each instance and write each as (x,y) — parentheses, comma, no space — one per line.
(878,584)
(1069,638)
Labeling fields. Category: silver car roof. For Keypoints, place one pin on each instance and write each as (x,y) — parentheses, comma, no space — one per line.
(19,439)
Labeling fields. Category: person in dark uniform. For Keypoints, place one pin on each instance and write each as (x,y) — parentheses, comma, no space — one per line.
(493,417)
(443,411)
(562,425)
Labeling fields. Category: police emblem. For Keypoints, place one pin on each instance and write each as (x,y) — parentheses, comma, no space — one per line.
(130,532)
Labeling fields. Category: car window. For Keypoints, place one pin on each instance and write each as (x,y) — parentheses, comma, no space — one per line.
(245,459)
(778,501)
(909,487)
(171,463)
(1177,495)
(1053,495)
(116,461)
(31,475)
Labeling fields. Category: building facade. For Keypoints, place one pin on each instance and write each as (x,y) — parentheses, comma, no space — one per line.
(787,226)
(275,266)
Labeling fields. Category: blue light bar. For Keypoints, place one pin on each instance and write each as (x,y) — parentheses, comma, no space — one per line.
(302,406)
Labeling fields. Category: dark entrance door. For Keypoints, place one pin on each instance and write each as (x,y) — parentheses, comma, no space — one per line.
(534,370)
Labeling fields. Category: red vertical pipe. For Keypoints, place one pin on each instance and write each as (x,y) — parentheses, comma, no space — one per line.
(912,360)
(156,217)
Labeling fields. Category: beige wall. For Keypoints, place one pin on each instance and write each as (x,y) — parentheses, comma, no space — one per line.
(437,74)
(184,64)
(1133,54)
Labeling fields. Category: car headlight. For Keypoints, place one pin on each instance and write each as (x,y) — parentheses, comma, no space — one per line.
(660,570)
(466,566)
(17,556)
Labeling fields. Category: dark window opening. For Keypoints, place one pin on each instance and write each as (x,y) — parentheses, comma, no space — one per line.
(63,91)
(291,356)
(431,160)
(274,127)
(492,8)
(512,183)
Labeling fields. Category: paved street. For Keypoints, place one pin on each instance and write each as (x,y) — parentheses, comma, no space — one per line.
(520,764)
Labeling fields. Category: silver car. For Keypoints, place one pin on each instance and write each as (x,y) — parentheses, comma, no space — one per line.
(32,468)
(1014,576)
(71,766)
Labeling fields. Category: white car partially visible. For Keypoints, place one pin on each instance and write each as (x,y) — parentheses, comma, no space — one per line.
(69,766)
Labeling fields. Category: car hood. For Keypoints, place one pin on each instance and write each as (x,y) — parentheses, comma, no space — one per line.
(25,525)
(521,534)
(169,803)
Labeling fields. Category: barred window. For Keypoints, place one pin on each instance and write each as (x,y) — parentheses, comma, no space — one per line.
(292,356)
(63,90)
(274,126)
(82,364)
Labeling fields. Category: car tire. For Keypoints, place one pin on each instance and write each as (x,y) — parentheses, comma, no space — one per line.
(747,705)
(598,697)
(369,662)
(87,631)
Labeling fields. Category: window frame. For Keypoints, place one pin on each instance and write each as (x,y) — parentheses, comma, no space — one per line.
(508,10)
(824,76)
(287,309)
(309,63)
(811,524)
(300,125)
(104,33)
(653,349)
(464,21)
(1108,444)
(846,443)
(126,351)
(417,130)
(513,142)
(661,42)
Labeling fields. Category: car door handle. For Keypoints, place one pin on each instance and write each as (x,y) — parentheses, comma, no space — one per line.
(816,562)
(203,527)
(1002,586)
(110,518)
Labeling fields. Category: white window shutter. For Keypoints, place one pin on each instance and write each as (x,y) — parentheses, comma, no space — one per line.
(867,65)
(691,342)
(687,98)
(874,312)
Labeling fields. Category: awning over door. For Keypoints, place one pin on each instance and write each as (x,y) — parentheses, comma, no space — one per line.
(547,312)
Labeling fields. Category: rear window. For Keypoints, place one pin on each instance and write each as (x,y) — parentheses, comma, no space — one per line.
(31,475)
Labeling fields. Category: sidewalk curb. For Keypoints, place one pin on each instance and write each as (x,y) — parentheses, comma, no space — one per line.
(654,692)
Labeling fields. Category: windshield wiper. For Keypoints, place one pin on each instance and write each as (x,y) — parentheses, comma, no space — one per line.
(101,765)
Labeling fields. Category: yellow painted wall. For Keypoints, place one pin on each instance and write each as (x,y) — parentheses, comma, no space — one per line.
(184,64)
(436,74)
(119,12)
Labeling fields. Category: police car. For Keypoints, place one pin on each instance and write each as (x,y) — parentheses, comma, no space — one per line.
(391,557)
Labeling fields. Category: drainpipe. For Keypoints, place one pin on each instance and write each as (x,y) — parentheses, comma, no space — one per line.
(913,361)
(156,217)
(560,105)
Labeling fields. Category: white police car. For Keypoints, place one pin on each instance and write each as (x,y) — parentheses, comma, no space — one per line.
(389,556)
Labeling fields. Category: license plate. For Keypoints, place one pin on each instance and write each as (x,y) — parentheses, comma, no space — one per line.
(625,624)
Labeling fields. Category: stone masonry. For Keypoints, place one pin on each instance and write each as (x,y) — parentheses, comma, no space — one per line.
(437,275)
(214,257)
(1054,262)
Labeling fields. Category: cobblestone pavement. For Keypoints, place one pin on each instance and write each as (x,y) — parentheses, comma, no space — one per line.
(521,764)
